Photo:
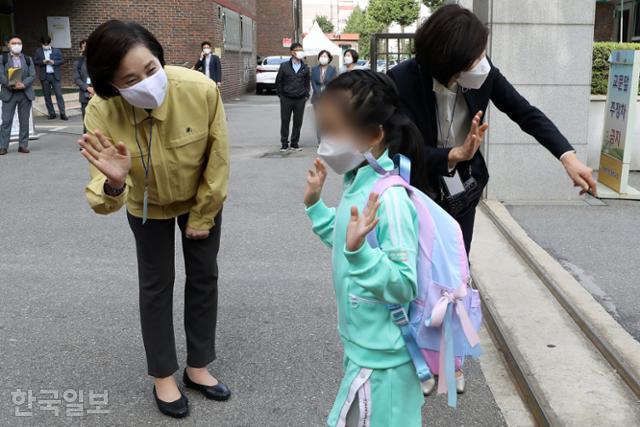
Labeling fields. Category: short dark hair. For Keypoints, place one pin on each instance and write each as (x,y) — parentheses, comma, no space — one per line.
(450,41)
(353,53)
(204,43)
(45,40)
(14,36)
(106,47)
(322,52)
(294,46)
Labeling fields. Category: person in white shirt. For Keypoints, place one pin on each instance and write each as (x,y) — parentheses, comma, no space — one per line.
(209,63)
(48,60)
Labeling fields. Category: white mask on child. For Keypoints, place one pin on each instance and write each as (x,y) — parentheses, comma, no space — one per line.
(341,156)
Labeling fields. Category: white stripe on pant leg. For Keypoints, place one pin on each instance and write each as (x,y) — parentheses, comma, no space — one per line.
(364,399)
(361,379)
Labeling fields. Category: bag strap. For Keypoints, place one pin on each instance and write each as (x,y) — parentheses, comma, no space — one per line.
(397,311)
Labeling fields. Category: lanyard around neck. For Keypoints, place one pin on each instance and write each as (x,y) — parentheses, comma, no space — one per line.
(453,113)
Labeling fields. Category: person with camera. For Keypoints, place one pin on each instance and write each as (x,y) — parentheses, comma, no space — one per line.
(449,83)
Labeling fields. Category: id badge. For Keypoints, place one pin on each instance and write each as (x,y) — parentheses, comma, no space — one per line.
(454,184)
(89,81)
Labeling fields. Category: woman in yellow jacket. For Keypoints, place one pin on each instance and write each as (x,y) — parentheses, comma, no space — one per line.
(157,142)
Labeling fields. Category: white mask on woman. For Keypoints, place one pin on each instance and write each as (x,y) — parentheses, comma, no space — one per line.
(16,49)
(341,156)
(348,60)
(324,60)
(148,93)
(475,77)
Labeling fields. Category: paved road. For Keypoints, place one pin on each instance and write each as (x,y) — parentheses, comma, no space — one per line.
(598,245)
(68,304)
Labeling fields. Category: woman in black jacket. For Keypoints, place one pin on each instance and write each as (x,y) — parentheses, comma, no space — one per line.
(449,82)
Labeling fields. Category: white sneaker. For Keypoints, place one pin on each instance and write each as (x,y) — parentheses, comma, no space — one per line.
(428,386)
(460,383)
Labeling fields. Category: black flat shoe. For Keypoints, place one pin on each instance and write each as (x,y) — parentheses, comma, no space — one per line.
(176,409)
(219,392)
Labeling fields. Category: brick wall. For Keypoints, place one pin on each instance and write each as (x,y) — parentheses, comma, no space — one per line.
(179,25)
(605,22)
(275,23)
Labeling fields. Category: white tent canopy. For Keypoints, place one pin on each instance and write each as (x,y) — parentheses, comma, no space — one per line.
(316,41)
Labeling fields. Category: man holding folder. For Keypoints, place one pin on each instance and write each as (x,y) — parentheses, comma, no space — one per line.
(17,74)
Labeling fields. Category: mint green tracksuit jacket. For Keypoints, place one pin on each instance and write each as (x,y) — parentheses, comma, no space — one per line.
(364,281)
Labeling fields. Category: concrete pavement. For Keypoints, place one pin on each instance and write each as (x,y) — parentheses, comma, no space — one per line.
(69,312)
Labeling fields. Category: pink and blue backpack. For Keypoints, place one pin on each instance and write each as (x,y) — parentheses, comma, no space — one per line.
(443,321)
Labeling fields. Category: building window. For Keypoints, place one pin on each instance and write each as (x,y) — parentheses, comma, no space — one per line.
(232,30)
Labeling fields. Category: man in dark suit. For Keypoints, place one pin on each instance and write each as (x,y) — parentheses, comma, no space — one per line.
(209,64)
(293,86)
(82,80)
(48,59)
(16,93)
(448,83)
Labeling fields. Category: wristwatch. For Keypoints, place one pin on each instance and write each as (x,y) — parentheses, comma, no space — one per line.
(113,192)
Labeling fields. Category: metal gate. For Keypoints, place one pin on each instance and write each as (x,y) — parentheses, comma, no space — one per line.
(389,49)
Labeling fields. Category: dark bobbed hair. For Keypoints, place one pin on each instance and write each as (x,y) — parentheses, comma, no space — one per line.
(322,52)
(371,100)
(45,39)
(294,46)
(449,42)
(106,47)
(354,55)
(204,43)
(14,36)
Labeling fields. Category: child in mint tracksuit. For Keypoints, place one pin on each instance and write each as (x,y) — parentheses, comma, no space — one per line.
(358,113)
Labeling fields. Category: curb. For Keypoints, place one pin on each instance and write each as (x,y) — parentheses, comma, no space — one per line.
(620,349)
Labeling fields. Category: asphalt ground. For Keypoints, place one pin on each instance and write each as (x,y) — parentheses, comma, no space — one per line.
(597,242)
(69,305)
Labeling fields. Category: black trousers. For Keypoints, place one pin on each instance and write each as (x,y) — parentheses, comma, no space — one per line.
(155,247)
(289,106)
(49,82)
(467,221)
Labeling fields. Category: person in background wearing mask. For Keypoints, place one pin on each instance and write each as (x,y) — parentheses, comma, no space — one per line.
(293,84)
(157,142)
(350,61)
(321,75)
(209,64)
(82,80)
(449,82)
(49,60)
(16,94)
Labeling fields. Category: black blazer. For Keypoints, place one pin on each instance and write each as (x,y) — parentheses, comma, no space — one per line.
(215,68)
(58,60)
(418,102)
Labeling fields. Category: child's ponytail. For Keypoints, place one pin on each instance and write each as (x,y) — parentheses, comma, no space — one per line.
(374,102)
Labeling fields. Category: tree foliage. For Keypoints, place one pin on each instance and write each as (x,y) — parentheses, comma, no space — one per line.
(325,25)
(386,12)
(433,4)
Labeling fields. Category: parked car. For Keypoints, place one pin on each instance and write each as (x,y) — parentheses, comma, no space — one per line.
(383,67)
(266,72)
(363,64)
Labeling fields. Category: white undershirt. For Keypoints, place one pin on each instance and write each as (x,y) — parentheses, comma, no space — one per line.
(207,60)
(445,99)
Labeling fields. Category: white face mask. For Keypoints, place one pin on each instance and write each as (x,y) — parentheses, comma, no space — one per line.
(300,55)
(16,49)
(341,156)
(149,93)
(206,51)
(348,60)
(475,77)
(324,60)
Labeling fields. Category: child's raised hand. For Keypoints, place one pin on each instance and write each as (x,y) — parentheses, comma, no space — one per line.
(315,181)
(361,225)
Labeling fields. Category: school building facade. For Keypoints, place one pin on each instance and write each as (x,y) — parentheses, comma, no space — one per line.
(232,26)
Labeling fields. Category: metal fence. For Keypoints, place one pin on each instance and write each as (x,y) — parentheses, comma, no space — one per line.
(389,49)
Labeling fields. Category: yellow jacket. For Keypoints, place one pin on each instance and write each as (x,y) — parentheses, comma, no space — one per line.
(189,151)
